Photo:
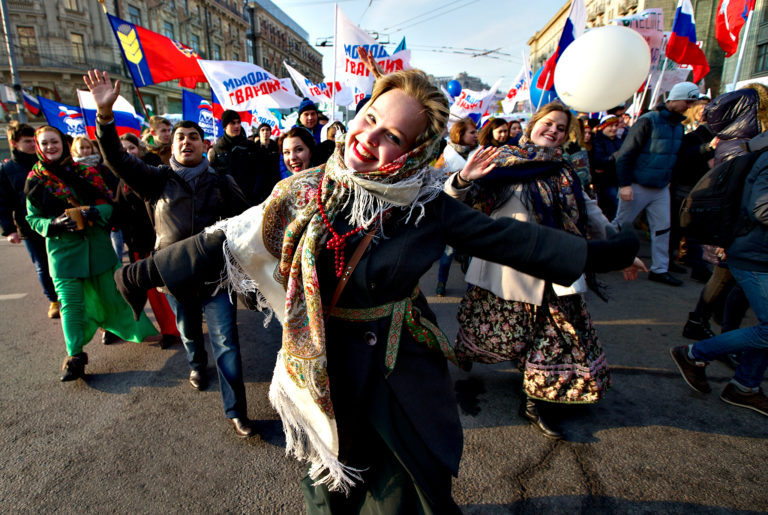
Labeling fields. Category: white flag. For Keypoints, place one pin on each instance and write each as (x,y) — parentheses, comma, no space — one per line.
(244,86)
(320,92)
(474,102)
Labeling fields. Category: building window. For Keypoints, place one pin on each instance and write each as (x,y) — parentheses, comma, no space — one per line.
(194,42)
(134,15)
(216,52)
(183,5)
(78,47)
(28,45)
(168,30)
(235,56)
(70,4)
(761,63)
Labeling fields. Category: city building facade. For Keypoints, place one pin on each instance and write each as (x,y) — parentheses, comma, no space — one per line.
(57,41)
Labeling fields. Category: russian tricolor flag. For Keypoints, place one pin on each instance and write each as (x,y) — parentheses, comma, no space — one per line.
(126,119)
(574,27)
(31,104)
(681,47)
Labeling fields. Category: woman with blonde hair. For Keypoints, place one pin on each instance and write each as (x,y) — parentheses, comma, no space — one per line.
(336,253)
(508,314)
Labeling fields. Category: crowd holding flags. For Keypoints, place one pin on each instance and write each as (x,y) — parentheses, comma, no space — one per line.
(574,27)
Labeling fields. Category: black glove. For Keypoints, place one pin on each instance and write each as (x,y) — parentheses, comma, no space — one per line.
(134,280)
(61,224)
(91,214)
(615,253)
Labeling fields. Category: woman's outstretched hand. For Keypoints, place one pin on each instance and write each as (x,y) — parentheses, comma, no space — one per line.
(630,273)
(479,164)
(104,94)
(370,62)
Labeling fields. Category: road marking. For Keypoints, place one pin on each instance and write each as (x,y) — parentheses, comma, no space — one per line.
(13,296)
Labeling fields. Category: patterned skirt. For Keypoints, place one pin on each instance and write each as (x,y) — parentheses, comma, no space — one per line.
(555,344)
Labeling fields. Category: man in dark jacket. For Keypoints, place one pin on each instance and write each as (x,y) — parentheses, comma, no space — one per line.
(748,262)
(13,206)
(183,199)
(644,168)
(234,154)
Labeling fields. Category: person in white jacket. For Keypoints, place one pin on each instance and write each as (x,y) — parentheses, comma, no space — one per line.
(507,314)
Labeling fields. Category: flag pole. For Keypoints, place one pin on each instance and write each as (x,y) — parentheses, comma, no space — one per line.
(741,50)
(642,97)
(335,40)
(135,87)
(541,97)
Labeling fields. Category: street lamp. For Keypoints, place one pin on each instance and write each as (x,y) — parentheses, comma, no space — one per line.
(253,34)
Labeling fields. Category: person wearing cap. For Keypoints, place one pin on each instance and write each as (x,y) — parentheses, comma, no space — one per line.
(235,155)
(644,168)
(308,118)
(602,157)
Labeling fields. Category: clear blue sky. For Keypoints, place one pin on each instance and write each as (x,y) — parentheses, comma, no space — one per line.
(428,24)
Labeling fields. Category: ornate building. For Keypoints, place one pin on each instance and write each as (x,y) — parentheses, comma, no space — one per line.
(56,41)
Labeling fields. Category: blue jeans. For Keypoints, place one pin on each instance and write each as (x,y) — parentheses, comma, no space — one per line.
(221,315)
(752,341)
(445,264)
(38,255)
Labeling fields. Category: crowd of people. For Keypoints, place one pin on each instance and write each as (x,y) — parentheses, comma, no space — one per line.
(329,229)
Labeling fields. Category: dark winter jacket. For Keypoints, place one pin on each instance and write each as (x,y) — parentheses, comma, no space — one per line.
(734,118)
(13,203)
(177,209)
(750,252)
(693,157)
(245,162)
(603,157)
(649,152)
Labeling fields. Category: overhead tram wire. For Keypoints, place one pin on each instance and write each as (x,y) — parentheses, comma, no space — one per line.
(432,13)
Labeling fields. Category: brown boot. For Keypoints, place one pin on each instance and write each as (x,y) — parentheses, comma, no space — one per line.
(74,367)
(53,310)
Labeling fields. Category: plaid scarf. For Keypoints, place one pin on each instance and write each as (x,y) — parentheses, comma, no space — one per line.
(293,231)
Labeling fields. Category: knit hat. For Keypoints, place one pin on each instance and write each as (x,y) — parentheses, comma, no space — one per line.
(307,105)
(607,120)
(228,117)
(683,91)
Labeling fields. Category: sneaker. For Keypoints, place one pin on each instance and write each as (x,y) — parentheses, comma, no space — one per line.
(755,401)
(697,329)
(53,310)
(440,290)
(692,371)
(665,278)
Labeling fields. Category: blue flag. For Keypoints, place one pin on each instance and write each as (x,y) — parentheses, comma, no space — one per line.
(68,119)
(198,109)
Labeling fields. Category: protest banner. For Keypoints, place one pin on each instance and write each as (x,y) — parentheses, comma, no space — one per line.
(197,109)
(322,91)
(244,86)
(474,102)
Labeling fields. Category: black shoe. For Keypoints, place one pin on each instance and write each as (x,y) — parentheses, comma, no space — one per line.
(674,267)
(693,372)
(529,411)
(665,278)
(243,427)
(697,329)
(198,380)
(169,340)
(108,338)
(74,367)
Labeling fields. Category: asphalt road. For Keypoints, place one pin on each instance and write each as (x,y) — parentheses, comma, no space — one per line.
(135,437)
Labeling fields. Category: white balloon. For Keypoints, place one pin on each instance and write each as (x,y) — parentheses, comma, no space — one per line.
(602,68)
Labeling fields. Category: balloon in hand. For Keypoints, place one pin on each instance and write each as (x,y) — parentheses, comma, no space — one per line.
(602,68)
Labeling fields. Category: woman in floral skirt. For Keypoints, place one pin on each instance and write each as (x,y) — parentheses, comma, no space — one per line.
(506,314)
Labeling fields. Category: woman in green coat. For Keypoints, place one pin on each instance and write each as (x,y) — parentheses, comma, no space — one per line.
(70,205)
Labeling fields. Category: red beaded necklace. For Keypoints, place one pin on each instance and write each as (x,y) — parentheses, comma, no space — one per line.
(338,241)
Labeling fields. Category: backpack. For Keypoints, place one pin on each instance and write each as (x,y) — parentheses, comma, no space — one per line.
(712,212)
